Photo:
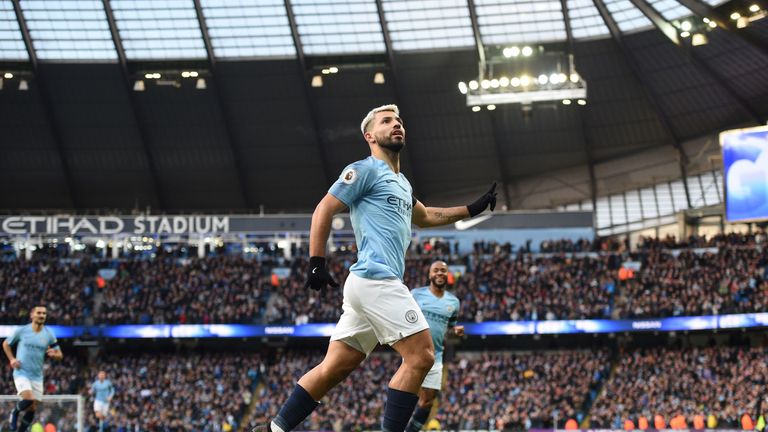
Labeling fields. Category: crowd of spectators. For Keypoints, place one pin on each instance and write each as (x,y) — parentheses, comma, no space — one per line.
(493,283)
(722,382)
(514,391)
(756,238)
(203,392)
(216,289)
(730,280)
(65,286)
(600,244)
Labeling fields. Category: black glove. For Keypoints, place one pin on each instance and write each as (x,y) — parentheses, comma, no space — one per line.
(488,199)
(318,277)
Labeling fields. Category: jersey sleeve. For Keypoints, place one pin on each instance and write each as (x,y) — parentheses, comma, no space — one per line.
(15,336)
(52,342)
(455,315)
(111,390)
(354,181)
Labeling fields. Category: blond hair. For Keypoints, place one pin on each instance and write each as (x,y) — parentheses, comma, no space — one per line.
(369,118)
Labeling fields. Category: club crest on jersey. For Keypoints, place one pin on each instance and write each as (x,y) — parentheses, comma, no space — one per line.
(411,316)
(449,308)
(349,176)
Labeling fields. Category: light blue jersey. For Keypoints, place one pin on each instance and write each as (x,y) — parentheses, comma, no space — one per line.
(102,390)
(440,313)
(380,204)
(31,350)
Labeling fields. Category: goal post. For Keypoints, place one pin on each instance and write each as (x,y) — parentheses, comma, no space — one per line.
(66,412)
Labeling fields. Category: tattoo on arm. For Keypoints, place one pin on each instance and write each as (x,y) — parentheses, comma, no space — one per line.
(443,217)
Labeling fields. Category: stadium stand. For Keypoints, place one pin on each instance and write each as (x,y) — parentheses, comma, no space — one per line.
(723,382)
(490,390)
(727,275)
(213,385)
(512,391)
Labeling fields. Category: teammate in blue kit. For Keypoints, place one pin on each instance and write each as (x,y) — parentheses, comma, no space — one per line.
(35,341)
(377,307)
(441,309)
(103,391)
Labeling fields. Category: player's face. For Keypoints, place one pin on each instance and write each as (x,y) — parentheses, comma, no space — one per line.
(102,376)
(388,130)
(38,315)
(438,275)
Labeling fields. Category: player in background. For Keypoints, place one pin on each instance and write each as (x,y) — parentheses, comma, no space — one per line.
(441,309)
(377,306)
(35,342)
(102,391)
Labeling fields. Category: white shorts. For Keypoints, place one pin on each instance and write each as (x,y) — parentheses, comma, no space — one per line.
(434,378)
(101,407)
(23,384)
(377,311)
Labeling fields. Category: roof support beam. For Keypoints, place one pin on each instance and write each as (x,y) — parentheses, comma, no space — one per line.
(395,85)
(312,104)
(143,134)
(50,114)
(476,33)
(590,161)
(502,171)
(647,89)
(505,181)
(658,20)
(661,24)
(238,159)
(582,119)
(702,9)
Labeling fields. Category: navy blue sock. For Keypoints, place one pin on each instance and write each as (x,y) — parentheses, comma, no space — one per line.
(26,421)
(20,406)
(420,417)
(298,406)
(398,410)
(24,404)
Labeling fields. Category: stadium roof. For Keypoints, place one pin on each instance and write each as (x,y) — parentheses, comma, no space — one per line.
(76,30)
(260,135)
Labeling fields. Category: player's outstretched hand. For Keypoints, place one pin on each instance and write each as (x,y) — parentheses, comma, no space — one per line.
(318,277)
(482,203)
(15,363)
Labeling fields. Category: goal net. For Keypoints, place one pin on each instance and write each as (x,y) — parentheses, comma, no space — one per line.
(65,412)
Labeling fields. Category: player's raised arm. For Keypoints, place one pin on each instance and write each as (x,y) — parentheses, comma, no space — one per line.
(425,217)
(318,277)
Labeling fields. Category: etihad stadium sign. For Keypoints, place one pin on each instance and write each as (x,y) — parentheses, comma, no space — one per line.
(201,224)
(110,225)
(146,224)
